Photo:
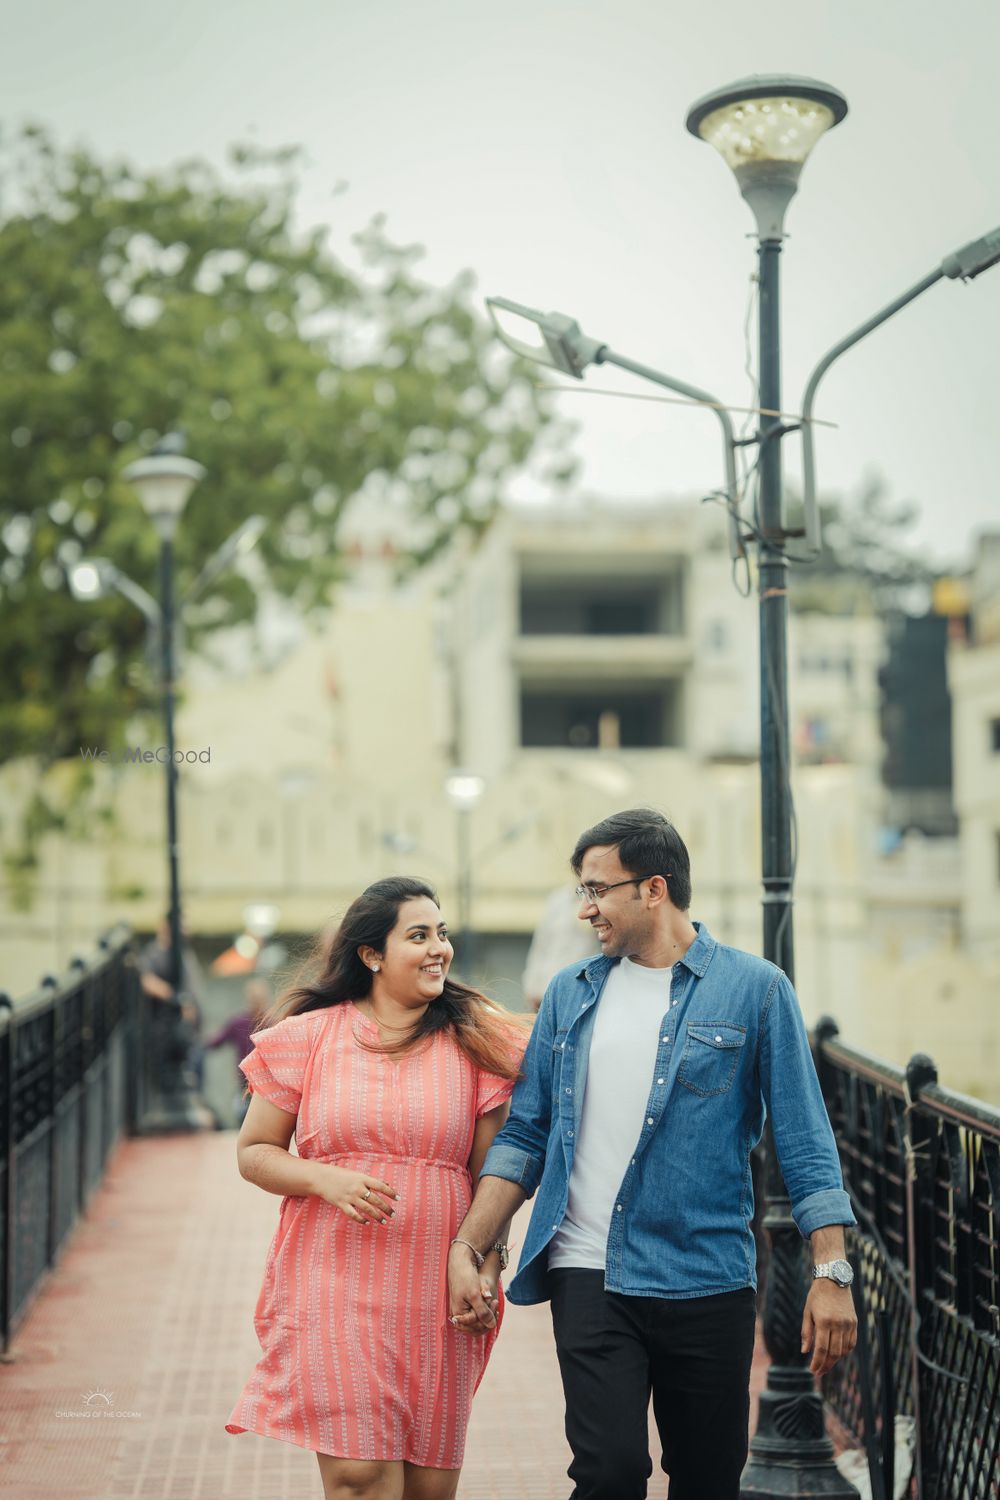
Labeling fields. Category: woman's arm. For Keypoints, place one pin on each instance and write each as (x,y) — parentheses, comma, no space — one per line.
(262,1152)
(265,1160)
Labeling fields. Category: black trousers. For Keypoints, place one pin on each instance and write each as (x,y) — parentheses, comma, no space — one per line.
(692,1355)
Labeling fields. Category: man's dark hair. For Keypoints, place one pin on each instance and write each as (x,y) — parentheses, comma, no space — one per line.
(647,844)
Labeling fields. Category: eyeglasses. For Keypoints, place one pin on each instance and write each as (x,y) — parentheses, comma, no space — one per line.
(593,893)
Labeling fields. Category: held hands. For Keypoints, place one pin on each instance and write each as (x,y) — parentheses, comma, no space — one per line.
(362,1199)
(829,1325)
(472,1295)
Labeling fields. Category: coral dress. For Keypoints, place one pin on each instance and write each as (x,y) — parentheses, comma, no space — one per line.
(359,1359)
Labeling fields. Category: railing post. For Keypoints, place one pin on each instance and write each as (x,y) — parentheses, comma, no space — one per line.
(920,1071)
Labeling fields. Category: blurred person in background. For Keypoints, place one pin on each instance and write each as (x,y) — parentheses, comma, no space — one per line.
(394,1080)
(154,968)
(237,1032)
(559,939)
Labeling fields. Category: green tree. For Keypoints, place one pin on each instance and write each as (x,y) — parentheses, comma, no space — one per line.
(135,303)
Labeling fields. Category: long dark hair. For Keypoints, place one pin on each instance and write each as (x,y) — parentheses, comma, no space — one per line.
(481,1027)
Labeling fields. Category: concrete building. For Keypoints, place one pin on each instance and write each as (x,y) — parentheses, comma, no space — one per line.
(974,679)
(580,659)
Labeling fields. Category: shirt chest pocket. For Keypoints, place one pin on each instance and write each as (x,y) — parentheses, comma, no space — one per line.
(711,1057)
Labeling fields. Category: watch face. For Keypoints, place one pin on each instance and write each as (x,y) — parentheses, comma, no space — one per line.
(842,1273)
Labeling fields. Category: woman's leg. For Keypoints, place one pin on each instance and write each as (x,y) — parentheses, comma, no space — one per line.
(357,1479)
(429,1484)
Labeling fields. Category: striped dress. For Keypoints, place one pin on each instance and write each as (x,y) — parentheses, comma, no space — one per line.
(358,1357)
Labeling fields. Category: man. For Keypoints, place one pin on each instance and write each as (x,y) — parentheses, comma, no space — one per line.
(154,964)
(644,1090)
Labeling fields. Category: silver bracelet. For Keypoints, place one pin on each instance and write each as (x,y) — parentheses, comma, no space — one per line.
(480,1259)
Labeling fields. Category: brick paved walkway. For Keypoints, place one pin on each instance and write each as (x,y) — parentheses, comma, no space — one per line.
(133,1356)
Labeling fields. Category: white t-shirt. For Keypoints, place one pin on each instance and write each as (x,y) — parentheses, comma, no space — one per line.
(619,1075)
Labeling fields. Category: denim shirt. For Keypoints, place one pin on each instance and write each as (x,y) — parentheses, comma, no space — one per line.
(732,1047)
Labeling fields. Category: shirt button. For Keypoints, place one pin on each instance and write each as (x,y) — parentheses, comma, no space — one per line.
(618,1208)
(633,1161)
(569,1091)
(649,1119)
(718,1039)
(569,1132)
(661,1080)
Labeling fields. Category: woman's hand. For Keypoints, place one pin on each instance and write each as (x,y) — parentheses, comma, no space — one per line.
(360,1198)
(463,1313)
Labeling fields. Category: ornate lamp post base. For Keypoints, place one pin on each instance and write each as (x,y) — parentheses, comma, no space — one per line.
(790,1453)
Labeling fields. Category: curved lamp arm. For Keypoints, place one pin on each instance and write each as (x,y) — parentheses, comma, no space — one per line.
(606,356)
(964,265)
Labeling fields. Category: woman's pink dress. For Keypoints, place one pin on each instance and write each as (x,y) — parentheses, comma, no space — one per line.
(359,1359)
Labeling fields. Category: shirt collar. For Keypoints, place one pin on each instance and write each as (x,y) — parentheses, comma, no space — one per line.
(697,958)
(699,955)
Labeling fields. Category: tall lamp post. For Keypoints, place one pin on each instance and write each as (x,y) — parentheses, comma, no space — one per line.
(764,128)
(163,482)
(464,790)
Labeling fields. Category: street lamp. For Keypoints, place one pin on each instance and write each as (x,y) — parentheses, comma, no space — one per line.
(764,128)
(464,789)
(163,482)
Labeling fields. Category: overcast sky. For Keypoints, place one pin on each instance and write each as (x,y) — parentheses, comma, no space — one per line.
(541,143)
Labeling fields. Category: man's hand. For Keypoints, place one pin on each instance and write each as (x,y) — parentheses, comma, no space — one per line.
(829,1324)
(472,1294)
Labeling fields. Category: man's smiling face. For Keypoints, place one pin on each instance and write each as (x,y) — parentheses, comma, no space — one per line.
(620,917)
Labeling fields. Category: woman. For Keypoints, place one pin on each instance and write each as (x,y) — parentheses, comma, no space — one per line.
(394,1080)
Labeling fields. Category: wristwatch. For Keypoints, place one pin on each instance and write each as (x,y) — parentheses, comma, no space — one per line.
(503,1253)
(834,1270)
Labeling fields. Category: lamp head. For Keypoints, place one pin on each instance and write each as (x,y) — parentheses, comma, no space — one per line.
(92,578)
(548,338)
(163,482)
(464,789)
(764,127)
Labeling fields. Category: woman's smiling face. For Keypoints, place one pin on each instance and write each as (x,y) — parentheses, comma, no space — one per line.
(417,955)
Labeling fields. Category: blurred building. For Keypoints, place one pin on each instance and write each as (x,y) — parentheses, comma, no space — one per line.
(974,679)
(582,658)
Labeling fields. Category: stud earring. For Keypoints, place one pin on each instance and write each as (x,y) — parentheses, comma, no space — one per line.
(375,968)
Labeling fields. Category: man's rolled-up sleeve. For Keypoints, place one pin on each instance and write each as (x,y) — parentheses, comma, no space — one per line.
(518,1151)
(803,1136)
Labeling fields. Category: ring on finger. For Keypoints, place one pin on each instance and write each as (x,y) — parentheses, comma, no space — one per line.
(366,1194)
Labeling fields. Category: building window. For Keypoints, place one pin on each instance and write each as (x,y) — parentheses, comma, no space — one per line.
(600,719)
(600,607)
(995,736)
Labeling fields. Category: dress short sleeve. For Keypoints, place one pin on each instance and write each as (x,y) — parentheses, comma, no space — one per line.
(491,1089)
(276,1066)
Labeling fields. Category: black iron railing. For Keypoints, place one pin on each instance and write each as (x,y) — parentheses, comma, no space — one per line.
(922,1165)
(70,1087)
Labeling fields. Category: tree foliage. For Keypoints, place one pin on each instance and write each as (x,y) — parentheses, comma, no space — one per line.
(134,303)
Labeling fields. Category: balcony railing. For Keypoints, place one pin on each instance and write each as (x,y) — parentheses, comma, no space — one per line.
(922,1165)
(70,1088)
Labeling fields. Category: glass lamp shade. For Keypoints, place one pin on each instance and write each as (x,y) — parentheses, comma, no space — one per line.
(766,130)
(163,483)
